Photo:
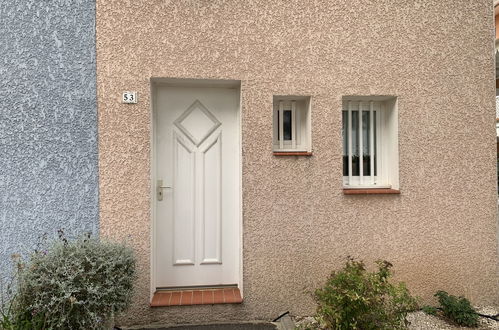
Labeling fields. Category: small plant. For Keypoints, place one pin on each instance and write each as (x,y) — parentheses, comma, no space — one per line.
(354,298)
(430,310)
(11,316)
(457,309)
(78,284)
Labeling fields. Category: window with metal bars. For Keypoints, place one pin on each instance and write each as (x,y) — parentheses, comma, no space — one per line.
(369,143)
(291,123)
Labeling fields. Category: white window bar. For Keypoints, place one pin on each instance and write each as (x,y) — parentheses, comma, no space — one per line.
(361,147)
(281,125)
(293,124)
(349,129)
(379,160)
(371,139)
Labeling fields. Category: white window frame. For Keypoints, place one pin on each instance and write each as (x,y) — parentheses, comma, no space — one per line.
(386,147)
(300,123)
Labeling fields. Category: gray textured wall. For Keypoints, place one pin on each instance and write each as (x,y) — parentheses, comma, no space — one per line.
(48,130)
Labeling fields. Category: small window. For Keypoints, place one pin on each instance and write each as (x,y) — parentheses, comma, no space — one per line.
(291,124)
(370,142)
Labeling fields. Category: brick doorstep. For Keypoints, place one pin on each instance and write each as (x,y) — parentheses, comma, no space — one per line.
(163,298)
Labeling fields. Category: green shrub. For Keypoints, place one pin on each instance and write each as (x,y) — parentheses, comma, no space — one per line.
(458,309)
(356,299)
(80,284)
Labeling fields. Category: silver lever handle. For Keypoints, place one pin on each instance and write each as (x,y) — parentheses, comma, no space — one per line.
(159,190)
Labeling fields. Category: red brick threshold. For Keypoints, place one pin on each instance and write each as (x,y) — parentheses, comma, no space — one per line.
(187,297)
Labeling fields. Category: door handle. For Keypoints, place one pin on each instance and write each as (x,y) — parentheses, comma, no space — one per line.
(159,190)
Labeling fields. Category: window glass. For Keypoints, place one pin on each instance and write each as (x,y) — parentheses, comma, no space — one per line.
(287,124)
(344,132)
(366,142)
(355,143)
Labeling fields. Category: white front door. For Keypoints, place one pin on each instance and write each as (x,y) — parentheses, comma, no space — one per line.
(197,186)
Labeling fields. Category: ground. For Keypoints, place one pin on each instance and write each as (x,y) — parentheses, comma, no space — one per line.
(421,321)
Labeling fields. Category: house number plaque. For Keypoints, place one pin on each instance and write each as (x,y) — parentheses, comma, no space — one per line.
(129,97)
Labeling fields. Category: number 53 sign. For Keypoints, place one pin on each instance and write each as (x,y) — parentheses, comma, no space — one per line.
(129,97)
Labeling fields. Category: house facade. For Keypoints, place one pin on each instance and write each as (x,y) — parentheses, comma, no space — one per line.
(250,147)
(291,220)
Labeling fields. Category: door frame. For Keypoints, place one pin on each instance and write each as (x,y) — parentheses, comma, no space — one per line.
(180,82)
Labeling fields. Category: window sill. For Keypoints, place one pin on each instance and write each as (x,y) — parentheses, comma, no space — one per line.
(370,191)
(293,153)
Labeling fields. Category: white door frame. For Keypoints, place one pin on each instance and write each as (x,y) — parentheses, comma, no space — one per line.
(178,82)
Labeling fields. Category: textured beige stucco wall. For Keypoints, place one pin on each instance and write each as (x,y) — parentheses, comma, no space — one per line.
(435,56)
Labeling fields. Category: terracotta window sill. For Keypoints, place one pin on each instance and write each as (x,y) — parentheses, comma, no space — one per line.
(196,297)
(370,191)
(292,153)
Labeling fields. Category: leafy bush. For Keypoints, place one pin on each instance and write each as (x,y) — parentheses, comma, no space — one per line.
(458,309)
(78,284)
(356,299)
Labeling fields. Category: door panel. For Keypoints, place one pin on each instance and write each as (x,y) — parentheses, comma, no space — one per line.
(184,203)
(197,155)
(212,202)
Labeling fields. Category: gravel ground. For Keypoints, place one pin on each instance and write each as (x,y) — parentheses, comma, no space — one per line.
(422,321)
(225,326)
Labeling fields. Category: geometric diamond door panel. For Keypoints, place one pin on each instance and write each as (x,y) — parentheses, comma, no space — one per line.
(197,123)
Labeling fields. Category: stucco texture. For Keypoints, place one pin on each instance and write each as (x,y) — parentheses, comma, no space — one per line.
(48,123)
(435,56)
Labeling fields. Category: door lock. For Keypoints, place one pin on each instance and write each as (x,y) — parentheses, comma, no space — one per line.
(159,190)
